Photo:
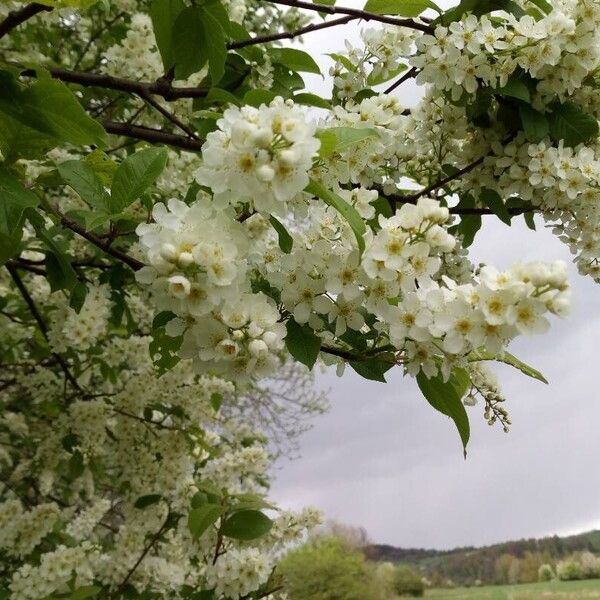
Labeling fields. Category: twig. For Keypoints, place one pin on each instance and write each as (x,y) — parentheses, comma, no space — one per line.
(360,14)
(95,36)
(104,245)
(152,135)
(142,556)
(290,35)
(40,321)
(410,73)
(170,116)
(16,17)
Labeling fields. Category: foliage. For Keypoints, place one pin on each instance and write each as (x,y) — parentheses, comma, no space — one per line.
(407,583)
(546,573)
(327,569)
(178,226)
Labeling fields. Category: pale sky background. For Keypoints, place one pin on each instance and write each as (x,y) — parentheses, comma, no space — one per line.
(382,458)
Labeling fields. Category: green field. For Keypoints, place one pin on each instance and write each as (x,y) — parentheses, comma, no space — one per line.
(554,590)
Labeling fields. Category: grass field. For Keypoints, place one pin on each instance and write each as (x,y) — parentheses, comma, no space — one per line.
(554,590)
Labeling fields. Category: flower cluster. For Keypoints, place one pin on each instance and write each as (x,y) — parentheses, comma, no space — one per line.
(560,49)
(259,156)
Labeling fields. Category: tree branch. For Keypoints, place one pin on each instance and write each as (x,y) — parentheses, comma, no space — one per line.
(16,17)
(40,321)
(104,245)
(168,115)
(152,135)
(412,72)
(289,35)
(359,14)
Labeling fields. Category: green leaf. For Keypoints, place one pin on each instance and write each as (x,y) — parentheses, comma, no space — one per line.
(246,525)
(148,500)
(404,8)
(164,14)
(570,123)
(380,78)
(544,6)
(295,60)
(495,203)
(17,140)
(535,124)
(312,100)
(469,225)
(189,48)
(257,97)
(164,349)
(339,139)
(515,88)
(86,591)
(136,174)
(50,107)
(201,518)
(446,397)
(216,46)
(286,241)
(346,210)
(372,368)
(508,359)
(302,343)
(346,62)
(80,176)
(14,199)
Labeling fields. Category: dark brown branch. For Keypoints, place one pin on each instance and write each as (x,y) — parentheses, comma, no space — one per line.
(145,551)
(360,14)
(289,35)
(40,321)
(102,244)
(16,17)
(160,87)
(408,75)
(168,115)
(152,135)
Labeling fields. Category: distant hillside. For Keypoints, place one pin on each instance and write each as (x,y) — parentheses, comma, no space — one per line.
(487,564)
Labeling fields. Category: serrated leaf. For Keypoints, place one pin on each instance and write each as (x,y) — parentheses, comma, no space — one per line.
(372,368)
(14,200)
(50,107)
(246,525)
(570,123)
(509,359)
(515,87)
(135,175)
(190,52)
(495,203)
(86,591)
(535,124)
(346,62)
(339,139)
(446,397)
(312,100)
(148,500)
(201,518)
(302,343)
(216,47)
(295,60)
(81,177)
(346,210)
(164,14)
(403,8)
(286,241)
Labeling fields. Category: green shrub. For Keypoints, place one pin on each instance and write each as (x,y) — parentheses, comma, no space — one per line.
(407,583)
(546,573)
(328,569)
(569,569)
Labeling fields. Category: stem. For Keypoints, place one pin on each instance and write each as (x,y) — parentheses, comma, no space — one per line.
(40,321)
(152,135)
(410,73)
(360,14)
(104,245)
(289,35)
(170,116)
(16,17)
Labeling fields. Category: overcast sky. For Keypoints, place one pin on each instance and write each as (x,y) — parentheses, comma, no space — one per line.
(382,458)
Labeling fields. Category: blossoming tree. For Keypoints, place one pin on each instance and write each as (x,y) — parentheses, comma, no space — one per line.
(181,220)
